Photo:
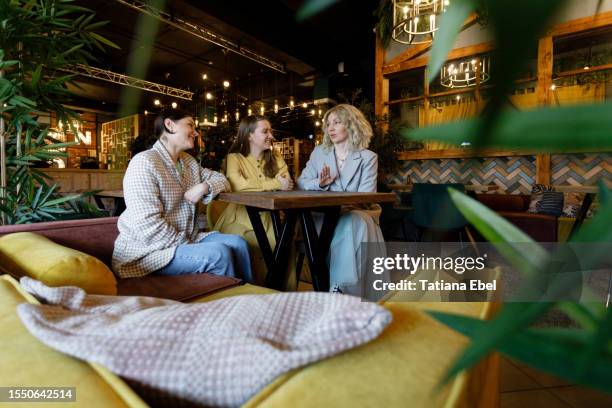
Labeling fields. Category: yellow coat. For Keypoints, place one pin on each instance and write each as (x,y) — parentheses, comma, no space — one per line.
(246,174)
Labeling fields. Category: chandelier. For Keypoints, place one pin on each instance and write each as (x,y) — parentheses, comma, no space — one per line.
(466,73)
(416,21)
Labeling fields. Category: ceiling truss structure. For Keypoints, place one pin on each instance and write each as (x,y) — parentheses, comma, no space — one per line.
(203,33)
(110,76)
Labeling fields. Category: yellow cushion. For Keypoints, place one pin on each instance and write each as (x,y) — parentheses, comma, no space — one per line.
(29,254)
(26,362)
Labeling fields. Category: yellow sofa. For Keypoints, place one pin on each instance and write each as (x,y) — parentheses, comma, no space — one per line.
(400,368)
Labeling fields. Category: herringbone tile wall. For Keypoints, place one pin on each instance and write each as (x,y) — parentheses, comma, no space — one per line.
(514,175)
(581,169)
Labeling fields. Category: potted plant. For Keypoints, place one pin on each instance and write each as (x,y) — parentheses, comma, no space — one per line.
(37,40)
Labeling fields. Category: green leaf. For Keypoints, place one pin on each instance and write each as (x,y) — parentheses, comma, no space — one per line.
(22,101)
(566,129)
(554,351)
(496,229)
(581,314)
(597,344)
(312,7)
(36,197)
(86,21)
(96,25)
(36,76)
(104,40)
(450,24)
(6,64)
(516,35)
(61,200)
(605,194)
(73,49)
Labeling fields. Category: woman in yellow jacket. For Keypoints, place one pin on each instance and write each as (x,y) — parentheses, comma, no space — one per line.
(252,165)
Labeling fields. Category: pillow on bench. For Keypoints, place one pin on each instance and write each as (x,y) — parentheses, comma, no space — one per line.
(30,254)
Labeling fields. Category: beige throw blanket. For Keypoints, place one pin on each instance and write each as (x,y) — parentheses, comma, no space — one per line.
(218,353)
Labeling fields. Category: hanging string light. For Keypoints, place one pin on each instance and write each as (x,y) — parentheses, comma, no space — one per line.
(262,108)
(275,94)
(249,110)
(291,100)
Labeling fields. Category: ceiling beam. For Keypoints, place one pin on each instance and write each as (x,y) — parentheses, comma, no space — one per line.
(203,33)
(110,76)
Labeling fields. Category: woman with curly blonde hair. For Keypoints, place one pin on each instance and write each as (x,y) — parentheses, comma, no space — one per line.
(342,162)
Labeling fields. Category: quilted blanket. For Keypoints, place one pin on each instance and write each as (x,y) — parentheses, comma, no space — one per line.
(218,353)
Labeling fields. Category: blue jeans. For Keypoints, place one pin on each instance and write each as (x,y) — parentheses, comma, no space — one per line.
(219,254)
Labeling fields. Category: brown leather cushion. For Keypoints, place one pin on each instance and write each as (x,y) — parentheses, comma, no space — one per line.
(180,288)
(505,202)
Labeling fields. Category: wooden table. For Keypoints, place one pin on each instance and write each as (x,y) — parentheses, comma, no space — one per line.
(299,205)
(116,195)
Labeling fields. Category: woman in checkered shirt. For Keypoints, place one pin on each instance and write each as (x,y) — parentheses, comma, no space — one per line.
(158,231)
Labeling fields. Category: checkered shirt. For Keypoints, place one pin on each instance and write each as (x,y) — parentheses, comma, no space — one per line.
(157,218)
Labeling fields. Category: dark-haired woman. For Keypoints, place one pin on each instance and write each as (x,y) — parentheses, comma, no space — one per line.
(158,231)
(252,165)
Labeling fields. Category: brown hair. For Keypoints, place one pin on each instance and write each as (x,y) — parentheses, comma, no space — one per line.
(242,146)
(173,114)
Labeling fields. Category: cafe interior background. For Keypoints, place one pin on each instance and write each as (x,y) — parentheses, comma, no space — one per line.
(221,65)
(224,60)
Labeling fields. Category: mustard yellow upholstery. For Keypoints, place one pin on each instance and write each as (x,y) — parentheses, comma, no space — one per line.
(400,368)
(27,253)
(26,362)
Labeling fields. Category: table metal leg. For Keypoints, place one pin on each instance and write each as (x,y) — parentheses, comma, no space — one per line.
(276,222)
(317,246)
(262,238)
(277,260)
(277,277)
(99,202)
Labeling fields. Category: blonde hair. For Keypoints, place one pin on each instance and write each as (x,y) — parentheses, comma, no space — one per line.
(357,126)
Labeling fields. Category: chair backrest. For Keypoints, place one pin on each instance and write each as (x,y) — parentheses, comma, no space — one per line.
(433,207)
(213,212)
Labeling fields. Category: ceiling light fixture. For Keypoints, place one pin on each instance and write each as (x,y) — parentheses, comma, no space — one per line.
(466,73)
(174,105)
(226,84)
(416,21)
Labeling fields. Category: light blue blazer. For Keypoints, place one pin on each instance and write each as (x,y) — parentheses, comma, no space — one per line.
(359,173)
